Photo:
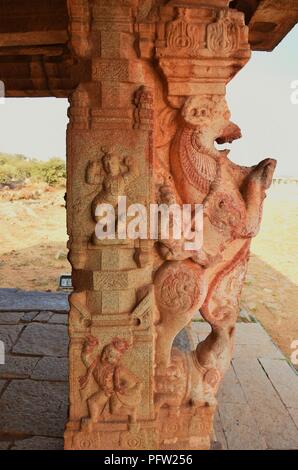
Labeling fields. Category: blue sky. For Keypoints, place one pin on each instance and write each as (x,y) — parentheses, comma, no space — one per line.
(259,98)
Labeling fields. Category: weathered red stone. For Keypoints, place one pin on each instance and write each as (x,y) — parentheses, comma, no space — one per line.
(147,83)
(144,124)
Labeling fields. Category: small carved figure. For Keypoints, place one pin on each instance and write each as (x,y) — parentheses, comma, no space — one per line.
(119,390)
(143,114)
(112,175)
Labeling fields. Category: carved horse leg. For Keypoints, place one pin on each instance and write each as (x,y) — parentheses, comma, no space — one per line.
(179,291)
(220,310)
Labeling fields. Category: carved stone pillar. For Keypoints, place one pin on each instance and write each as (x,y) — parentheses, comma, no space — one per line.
(143,124)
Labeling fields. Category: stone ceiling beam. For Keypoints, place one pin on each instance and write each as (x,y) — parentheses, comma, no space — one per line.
(33,38)
(39,31)
(269,21)
(50,50)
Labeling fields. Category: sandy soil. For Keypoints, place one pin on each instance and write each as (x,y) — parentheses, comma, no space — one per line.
(271,288)
(33,255)
(33,242)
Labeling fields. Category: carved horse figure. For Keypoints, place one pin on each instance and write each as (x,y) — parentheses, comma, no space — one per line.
(232,197)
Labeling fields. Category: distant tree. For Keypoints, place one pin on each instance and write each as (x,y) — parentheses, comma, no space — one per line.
(54,171)
(19,168)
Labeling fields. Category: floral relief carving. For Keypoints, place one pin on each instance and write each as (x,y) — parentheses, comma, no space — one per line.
(178,291)
(181,34)
(223,36)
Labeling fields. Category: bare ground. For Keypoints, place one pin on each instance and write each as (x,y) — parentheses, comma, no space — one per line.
(271,288)
(33,242)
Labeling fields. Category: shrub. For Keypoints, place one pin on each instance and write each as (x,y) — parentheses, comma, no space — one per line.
(54,171)
(7,173)
(20,168)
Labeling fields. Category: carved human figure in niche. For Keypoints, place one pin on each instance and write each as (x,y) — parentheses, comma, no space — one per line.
(119,390)
(112,175)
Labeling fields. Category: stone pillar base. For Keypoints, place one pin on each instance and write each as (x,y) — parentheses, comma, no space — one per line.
(185,430)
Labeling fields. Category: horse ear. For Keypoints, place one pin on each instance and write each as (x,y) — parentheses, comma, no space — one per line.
(268,172)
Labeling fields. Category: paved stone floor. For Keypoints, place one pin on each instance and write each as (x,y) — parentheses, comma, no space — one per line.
(258,401)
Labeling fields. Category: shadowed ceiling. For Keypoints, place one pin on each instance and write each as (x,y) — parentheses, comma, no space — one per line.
(35,58)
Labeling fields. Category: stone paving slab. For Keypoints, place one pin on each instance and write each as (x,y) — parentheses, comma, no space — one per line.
(43,340)
(43,317)
(39,443)
(219,432)
(2,383)
(11,318)
(250,341)
(17,367)
(273,419)
(29,316)
(34,408)
(285,382)
(265,349)
(258,396)
(240,427)
(255,334)
(184,340)
(9,335)
(59,318)
(15,300)
(230,390)
(51,368)
(294,414)
(247,334)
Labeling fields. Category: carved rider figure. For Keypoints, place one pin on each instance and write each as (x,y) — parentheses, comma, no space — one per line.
(119,389)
